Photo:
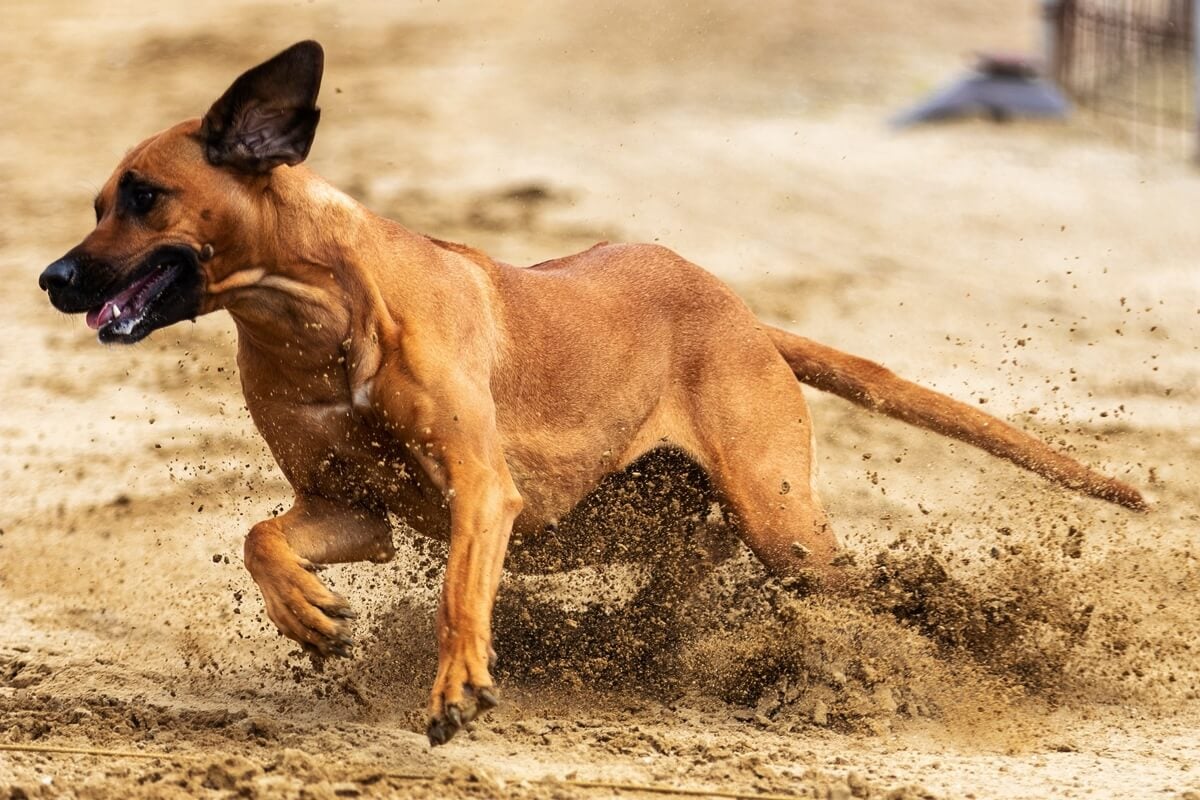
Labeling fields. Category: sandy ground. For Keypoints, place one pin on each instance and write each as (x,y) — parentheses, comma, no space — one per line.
(1010,640)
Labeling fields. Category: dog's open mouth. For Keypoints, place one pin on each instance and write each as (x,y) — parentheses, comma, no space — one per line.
(164,291)
(129,306)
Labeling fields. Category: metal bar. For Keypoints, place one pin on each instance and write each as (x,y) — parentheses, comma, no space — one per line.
(1196,75)
(1052,37)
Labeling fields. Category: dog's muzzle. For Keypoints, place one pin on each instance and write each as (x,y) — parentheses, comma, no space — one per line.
(127,303)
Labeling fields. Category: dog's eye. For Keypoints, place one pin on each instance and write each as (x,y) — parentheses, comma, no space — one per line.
(142,200)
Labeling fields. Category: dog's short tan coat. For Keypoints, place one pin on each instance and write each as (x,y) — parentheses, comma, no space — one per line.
(392,372)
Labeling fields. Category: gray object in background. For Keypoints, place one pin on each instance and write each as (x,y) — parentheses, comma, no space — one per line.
(1002,87)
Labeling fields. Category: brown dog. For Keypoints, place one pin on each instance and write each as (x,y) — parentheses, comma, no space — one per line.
(391,372)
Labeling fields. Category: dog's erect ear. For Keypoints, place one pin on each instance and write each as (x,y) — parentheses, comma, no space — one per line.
(269,115)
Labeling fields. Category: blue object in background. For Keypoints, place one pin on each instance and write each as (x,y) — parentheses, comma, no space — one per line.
(1000,87)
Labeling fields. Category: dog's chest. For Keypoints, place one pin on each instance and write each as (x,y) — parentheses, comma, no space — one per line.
(330,449)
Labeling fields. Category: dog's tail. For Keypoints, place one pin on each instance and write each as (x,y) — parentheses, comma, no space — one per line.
(876,388)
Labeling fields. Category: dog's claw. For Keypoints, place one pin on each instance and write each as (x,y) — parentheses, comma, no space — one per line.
(440,731)
(341,647)
(486,699)
(455,718)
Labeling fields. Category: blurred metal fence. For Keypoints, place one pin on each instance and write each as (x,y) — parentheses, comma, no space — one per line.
(1131,60)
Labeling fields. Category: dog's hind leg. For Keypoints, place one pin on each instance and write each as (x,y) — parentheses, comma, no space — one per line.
(282,555)
(754,428)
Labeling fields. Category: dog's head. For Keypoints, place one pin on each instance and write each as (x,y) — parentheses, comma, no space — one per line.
(177,215)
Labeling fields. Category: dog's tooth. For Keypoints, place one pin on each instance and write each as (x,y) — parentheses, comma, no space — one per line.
(116,311)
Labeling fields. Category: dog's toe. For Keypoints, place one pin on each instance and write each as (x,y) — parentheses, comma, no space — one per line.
(486,700)
(332,639)
(442,728)
(454,717)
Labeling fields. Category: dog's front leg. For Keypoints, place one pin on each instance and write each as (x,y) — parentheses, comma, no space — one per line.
(483,505)
(282,555)
(451,430)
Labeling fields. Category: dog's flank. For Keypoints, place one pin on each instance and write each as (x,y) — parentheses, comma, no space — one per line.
(390,373)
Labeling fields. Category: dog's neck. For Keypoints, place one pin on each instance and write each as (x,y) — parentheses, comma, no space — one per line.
(322,280)
(301,287)
(295,269)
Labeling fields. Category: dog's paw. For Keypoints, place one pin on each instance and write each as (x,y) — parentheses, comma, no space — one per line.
(306,611)
(463,689)
(453,717)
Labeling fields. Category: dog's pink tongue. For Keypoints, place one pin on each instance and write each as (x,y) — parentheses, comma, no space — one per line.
(115,307)
(100,316)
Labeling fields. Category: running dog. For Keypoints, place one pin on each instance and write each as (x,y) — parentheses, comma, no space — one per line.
(390,372)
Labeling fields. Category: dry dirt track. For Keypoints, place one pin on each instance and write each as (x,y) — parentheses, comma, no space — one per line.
(1013,641)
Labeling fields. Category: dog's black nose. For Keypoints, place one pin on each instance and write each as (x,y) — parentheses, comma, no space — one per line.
(59,275)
